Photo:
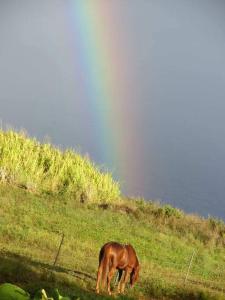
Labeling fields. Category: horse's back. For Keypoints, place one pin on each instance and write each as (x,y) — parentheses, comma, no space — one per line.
(115,252)
(113,246)
(117,247)
(122,255)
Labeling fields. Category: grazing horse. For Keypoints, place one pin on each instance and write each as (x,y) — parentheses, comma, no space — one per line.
(114,256)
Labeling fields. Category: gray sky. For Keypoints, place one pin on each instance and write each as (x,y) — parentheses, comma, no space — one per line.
(175,50)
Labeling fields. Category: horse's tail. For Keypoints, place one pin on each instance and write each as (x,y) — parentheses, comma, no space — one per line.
(102,269)
(104,265)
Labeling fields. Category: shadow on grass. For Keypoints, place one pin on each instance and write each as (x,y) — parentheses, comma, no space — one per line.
(32,276)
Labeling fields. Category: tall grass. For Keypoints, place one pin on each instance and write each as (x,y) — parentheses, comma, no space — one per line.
(43,168)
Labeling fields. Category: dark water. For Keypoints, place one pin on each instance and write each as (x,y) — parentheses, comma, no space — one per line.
(178,66)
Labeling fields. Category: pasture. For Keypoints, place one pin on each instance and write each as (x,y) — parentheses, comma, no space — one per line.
(31,229)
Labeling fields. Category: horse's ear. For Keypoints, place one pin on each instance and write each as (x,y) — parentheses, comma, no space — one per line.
(139,268)
(137,271)
(134,275)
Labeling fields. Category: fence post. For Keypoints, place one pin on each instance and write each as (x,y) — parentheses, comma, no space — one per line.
(57,255)
(185,280)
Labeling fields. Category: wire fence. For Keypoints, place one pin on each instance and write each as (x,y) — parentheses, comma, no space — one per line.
(190,271)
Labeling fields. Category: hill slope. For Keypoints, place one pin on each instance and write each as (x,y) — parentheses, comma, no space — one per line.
(32,221)
(31,229)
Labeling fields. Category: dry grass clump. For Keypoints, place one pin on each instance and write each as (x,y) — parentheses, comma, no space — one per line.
(210,231)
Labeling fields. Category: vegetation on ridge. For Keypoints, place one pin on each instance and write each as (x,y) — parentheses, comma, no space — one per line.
(43,168)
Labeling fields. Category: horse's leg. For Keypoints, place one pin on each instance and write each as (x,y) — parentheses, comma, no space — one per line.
(126,277)
(110,276)
(119,280)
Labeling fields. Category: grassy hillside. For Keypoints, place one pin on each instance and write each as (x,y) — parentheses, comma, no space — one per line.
(43,168)
(32,222)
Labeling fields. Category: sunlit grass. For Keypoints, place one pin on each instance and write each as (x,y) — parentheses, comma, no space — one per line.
(43,168)
(32,226)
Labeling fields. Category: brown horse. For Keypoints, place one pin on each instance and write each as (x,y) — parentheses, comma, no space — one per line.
(114,256)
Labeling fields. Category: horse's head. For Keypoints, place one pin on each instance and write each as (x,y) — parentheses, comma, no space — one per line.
(134,275)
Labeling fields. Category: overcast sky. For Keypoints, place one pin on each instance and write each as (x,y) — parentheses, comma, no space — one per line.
(175,51)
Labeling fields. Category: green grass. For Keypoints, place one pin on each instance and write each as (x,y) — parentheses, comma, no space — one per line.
(45,192)
(31,228)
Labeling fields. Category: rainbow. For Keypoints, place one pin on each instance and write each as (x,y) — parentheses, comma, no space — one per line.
(106,74)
